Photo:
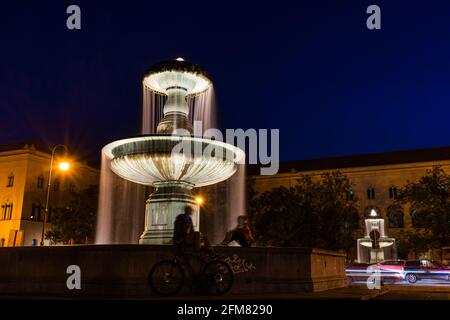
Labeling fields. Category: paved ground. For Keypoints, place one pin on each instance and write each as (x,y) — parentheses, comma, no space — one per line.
(350,293)
(424,291)
(416,292)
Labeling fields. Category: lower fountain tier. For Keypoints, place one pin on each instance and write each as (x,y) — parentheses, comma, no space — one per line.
(366,254)
(163,206)
(151,159)
(383,242)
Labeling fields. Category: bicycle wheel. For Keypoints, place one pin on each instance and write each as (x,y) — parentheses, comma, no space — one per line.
(217,277)
(166,278)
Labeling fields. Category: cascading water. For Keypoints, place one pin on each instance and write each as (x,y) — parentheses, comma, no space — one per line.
(121,208)
(122,203)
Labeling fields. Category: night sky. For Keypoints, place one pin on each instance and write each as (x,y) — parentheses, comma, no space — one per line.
(310,68)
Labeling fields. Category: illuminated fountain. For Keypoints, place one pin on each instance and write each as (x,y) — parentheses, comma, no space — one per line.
(376,245)
(173,161)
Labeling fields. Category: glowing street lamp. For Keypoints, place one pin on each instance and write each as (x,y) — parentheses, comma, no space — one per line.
(63,166)
(199,200)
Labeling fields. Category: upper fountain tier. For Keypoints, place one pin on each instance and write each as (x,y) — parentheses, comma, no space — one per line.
(178,73)
(177,79)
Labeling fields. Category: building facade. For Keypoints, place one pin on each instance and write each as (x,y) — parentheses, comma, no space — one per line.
(24,171)
(375,178)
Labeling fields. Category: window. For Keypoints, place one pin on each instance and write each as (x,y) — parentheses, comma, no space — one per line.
(370,193)
(40,182)
(350,194)
(393,192)
(393,263)
(413,263)
(10,181)
(418,219)
(6,212)
(36,212)
(2,242)
(56,185)
(49,214)
(395,217)
(9,211)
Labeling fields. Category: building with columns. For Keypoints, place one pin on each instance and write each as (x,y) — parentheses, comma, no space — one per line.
(24,171)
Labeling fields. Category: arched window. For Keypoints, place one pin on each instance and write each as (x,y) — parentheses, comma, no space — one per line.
(56,184)
(40,182)
(418,220)
(350,194)
(393,192)
(10,181)
(36,211)
(6,211)
(370,193)
(395,217)
(9,211)
(2,242)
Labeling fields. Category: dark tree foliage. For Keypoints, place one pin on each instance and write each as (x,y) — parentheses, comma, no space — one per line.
(310,214)
(416,241)
(75,223)
(430,205)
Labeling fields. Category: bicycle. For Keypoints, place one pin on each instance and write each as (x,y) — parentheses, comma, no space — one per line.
(167,277)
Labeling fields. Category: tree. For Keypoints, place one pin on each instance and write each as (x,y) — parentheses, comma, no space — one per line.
(75,223)
(338,213)
(415,241)
(286,217)
(430,204)
(311,213)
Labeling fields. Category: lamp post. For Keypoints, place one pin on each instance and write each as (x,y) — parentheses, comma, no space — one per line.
(63,166)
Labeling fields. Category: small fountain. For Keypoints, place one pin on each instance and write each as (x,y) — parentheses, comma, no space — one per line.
(173,161)
(376,245)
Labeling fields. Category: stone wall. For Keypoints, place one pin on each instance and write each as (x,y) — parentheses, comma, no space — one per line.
(122,270)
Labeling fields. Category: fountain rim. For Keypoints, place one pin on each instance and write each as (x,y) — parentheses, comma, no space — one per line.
(108,149)
(176,66)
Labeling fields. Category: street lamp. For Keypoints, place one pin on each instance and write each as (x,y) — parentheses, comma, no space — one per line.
(64,166)
(199,200)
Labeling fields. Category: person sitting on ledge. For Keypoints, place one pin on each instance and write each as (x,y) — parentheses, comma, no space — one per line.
(241,234)
(185,238)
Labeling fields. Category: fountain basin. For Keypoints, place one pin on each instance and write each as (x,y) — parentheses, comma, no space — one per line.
(174,165)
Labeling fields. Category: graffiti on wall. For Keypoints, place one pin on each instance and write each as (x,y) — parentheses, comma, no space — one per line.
(238,264)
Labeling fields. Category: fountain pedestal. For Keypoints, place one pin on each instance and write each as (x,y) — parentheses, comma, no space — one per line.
(163,206)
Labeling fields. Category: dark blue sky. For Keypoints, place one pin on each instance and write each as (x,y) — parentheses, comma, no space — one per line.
(310,68)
